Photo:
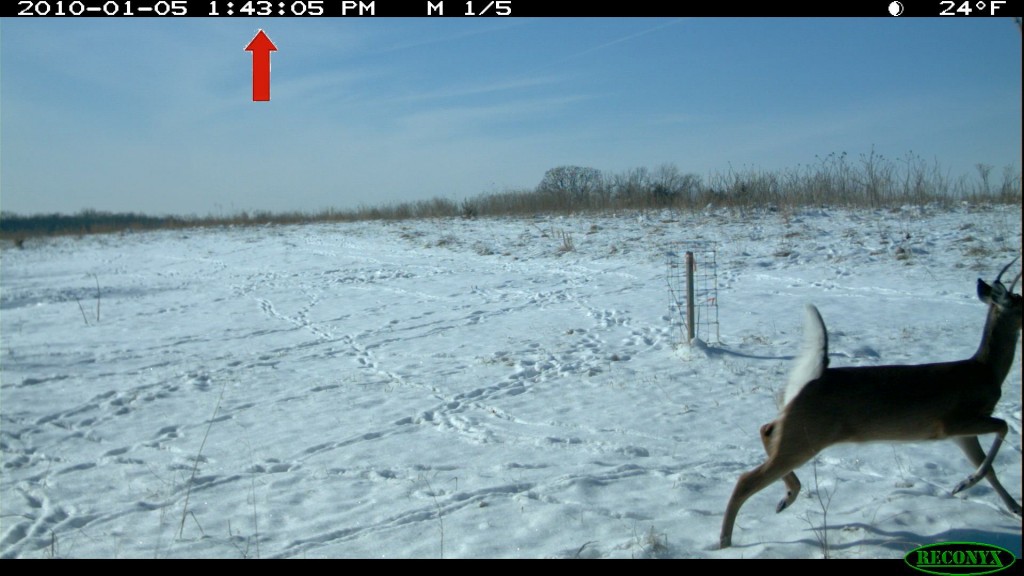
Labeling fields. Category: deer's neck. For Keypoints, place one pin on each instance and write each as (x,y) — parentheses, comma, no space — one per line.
(998,344)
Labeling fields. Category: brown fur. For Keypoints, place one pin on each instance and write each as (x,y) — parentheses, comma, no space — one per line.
(919,402)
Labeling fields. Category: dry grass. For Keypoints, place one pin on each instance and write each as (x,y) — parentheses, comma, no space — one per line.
(872,181)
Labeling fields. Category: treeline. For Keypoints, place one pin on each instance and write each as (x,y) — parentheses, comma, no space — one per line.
(84,222)
(872,181)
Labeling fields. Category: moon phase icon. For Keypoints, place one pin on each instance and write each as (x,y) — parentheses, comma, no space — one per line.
(895,8)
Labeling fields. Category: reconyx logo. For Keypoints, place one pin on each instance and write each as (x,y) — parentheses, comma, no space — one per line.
(959,558)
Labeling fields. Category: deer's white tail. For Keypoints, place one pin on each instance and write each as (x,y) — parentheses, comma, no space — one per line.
(813,358)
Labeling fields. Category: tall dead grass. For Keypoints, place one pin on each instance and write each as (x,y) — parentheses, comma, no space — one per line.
(870,181)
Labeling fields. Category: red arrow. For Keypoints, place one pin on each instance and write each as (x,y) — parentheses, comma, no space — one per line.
(261,47)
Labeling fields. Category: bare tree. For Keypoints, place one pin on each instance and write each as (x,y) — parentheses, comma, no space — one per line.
(571,187)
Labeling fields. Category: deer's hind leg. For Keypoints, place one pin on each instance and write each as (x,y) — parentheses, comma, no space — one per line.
(790,479)
(781,462)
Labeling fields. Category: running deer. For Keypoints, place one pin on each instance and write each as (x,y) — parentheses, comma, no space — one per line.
(824,406)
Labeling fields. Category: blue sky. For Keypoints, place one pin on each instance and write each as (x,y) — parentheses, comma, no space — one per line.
(156,115)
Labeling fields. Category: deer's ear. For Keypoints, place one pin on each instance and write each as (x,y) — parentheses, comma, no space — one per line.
(984,291)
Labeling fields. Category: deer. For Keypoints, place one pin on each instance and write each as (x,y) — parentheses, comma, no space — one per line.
(822,405)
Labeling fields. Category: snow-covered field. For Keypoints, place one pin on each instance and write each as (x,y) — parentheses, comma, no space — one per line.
(472,389)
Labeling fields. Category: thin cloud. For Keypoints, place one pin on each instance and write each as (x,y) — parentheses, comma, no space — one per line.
(454,37)
(610,43)
(479,89)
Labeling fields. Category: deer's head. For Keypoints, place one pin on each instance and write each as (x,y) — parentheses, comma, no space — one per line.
(1001,297)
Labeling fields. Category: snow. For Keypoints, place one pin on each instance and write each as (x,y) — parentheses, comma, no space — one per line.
(456,388)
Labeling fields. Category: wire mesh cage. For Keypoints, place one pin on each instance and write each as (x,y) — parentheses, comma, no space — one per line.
(692,278)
